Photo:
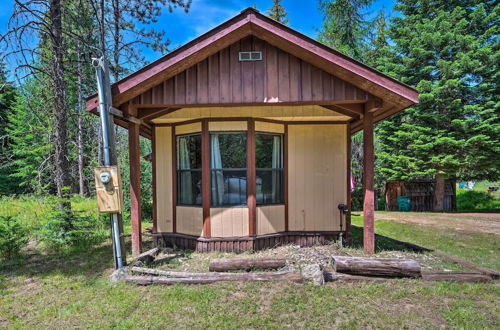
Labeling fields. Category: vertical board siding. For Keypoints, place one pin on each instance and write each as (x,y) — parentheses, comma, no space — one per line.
(189,220)
(229,221)
(163,167)
(316,176)
(270,219)
(279,77)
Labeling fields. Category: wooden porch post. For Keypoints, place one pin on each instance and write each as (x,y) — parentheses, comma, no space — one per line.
(135,187)
(368,186)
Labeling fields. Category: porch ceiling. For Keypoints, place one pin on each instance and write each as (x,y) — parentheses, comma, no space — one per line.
(281,113)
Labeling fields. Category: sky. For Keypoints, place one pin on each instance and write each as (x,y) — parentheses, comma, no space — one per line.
(181,27)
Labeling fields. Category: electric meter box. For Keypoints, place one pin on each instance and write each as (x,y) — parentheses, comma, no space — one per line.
(108,186)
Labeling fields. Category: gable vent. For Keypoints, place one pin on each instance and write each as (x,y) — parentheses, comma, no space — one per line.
(250,56)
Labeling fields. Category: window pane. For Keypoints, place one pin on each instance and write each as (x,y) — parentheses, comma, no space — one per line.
(189,152)
(228,150)
(228,187)
(268,151)
(269,186)
(188,187)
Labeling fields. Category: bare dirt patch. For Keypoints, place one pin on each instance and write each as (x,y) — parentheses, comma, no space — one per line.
(473,222)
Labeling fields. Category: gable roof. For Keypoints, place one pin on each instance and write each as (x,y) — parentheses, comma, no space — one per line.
(250,22)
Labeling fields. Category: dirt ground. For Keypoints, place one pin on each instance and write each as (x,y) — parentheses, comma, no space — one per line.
(474,222)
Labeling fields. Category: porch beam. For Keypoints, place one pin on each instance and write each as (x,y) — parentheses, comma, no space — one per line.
(135,187)
(351,110)
(373,105)
(205,177)
(149,114)
(368,185)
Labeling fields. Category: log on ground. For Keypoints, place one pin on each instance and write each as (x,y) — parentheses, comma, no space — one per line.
(205,279)
(333,277)
(471,277)
(378,267)
(224,265)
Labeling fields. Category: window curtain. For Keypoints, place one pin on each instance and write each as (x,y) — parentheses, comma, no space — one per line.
(276,163)
(217,183)
(186,179)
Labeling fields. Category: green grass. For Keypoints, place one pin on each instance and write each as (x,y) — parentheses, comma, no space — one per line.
(72,290)
(480,248)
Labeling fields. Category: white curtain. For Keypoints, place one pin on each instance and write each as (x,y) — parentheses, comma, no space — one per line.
(186,193)
(276,163)
(217,184)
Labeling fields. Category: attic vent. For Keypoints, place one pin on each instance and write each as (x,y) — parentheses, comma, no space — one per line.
(250,56)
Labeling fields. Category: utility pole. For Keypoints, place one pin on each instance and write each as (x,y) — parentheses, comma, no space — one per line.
(108,138)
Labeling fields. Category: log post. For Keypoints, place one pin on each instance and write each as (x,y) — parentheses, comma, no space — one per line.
(368,186)
(135,187)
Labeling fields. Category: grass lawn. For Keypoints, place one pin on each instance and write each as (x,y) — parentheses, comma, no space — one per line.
(72,290)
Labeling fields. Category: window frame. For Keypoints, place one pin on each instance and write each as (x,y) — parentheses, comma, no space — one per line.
(270,169)
(179,171)
(228,169)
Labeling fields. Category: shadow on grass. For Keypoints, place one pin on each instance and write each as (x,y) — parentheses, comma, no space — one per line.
(89,262)
(382,243)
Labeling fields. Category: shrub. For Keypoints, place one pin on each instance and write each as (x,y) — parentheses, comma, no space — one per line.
(471,200)
(70,229)
(13,236)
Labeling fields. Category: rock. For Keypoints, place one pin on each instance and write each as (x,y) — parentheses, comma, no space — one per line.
(119,275)
(313,273)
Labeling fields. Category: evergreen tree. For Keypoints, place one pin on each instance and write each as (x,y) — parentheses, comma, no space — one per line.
(345,26)
(29,131)
(7,97)
(449,51)
(278,12)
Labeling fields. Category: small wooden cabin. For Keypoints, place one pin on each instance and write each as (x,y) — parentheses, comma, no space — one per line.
(421,195)
(251,125)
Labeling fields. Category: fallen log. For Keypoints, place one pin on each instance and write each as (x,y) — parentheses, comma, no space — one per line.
(215,277)
(486,271)
(333,277)
(378,267)
(471,277)
(224,265)
(147,257)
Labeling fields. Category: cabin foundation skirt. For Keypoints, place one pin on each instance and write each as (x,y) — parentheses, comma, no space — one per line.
(245,243)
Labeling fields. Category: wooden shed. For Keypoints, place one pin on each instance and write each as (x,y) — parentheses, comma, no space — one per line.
(251,125)
(421,195)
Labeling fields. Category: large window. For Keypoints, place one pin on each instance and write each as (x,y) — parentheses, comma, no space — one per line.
(269,168)
(228,168)
(189,169)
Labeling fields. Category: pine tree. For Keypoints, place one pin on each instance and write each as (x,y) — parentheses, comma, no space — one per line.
(278,12)
(449,51)
(345,26)
(7,98)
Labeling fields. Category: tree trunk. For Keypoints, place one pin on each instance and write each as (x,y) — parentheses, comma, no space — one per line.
(81,147)
(61,163)
(380,267)
(224,265)
(439,193)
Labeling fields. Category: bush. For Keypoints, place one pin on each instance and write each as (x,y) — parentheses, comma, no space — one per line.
(13,236)
(70,229)
(470,200)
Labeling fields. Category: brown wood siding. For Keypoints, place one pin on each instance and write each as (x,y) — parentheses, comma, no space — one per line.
(279,77)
